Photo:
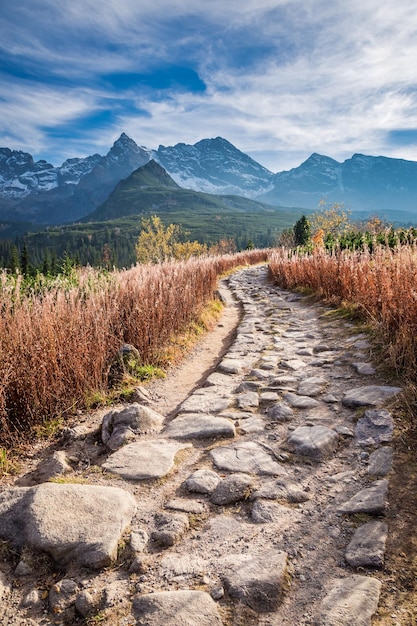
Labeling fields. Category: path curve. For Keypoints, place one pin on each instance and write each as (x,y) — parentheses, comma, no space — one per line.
(261,502)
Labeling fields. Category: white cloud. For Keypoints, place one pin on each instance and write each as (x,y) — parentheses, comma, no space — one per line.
(317,76)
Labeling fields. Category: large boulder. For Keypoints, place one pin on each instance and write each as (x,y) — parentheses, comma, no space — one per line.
(77,524)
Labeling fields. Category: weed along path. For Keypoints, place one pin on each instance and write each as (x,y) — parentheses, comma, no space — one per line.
(253,490)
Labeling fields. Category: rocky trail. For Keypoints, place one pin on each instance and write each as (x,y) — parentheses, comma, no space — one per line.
(257,496)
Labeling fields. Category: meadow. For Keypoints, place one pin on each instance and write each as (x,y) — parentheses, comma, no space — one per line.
(58,336)
(379,288)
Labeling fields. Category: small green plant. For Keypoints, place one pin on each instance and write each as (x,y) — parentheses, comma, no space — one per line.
(49,428)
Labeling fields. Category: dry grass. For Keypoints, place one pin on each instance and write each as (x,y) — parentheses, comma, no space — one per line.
(57,340)
(381,287)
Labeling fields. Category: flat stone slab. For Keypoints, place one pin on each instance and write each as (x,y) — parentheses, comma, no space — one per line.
(199,426)
(231,366)
(314,441)
(351,601)
(300,402)
(270,512)
(312,386)
(365,369)
(280,412)
(247,457)
(144,460)
(293,364)
(172,608)
(380,462)
(367,546)
(185,505)
(205,403)
(372,500)
(374,428)
(77,524)
(254,424)
(373,395)
(248,400)
(255,580)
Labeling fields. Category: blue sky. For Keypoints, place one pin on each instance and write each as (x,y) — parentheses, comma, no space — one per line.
(280,79)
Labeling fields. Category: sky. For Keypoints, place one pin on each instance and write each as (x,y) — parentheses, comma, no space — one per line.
(279,79)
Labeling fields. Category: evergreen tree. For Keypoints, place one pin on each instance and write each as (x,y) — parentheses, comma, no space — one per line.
(302,231)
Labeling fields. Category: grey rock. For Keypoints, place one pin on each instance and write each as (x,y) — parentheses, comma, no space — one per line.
(254,424)
(62,598)
(293,364)
(175,608)
(255,579)
(179,564)
(140,564)
(311,386)
(207,401)
(330,399)
(202,481)
(268,396)
(138,540)
(372,500)
(350,601)
(81,524)
(280,412)
(260,374)
(170,529)
(365,369)
(372,395)
(231,366)
(217,593)
(85,604)
(247,457)
(52,467)
(279,490)
(32,599)
(374,428)
(23,569)
(317,442)
(144,460)
(186,505)
(248,400)
(367,546)
(232,489)
(119,427)
(216,379)
(301,402)
(380,462)
(199,426)
(267,511)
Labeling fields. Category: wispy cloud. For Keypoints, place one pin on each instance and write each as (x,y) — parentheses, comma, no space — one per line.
(280,79)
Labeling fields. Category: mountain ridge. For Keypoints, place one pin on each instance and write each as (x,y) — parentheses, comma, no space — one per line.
(38,192)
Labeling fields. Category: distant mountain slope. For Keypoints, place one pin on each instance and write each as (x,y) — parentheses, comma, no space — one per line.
(215,166)
(364,183)
(149,189)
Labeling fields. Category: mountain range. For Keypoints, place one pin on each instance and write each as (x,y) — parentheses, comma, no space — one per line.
(37,192)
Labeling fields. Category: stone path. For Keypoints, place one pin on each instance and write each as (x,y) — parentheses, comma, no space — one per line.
(262,502)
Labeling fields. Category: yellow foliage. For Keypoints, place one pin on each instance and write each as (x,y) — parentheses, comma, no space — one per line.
(158,243)
(333,220)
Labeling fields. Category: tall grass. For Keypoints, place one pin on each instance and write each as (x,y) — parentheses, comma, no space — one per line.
(382,287)
(57,339)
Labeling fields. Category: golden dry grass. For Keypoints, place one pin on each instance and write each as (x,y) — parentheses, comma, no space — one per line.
(56,343)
